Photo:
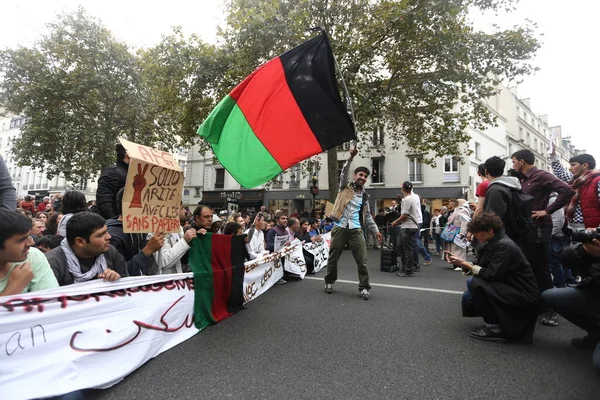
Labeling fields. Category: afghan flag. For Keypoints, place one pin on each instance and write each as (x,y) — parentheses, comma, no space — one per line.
(217,262)
(286,111)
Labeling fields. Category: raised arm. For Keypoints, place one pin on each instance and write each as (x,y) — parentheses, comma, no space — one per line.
(345,175)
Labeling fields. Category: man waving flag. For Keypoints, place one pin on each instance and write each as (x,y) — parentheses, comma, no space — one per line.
(287,110)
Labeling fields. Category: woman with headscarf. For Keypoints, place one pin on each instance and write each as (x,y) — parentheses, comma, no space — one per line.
(460,218)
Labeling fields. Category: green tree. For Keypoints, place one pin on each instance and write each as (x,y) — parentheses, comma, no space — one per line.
(418,68)
(80,89)
(184,78)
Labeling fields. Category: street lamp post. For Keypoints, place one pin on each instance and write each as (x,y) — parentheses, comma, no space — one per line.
(314,190)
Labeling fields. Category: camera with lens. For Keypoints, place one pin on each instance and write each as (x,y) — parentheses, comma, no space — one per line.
(583,236)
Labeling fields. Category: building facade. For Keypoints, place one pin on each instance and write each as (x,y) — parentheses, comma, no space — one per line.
(517,127)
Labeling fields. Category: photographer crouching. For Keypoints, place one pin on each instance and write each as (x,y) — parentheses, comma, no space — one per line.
(581,304)
(503,290)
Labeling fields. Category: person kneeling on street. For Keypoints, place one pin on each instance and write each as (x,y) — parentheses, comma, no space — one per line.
(581,304)
(86,253)
(503,289)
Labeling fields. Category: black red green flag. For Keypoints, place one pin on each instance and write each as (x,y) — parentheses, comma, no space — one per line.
(287,110)
(217,262)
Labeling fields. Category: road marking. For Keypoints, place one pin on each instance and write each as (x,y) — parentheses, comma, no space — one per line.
(422,289)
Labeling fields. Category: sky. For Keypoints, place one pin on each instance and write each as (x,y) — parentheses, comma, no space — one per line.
(565,88)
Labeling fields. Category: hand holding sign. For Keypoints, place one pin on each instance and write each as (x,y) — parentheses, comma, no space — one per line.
(139,183)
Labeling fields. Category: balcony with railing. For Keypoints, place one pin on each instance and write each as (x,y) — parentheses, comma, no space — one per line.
(377,179)
(451,177)
(277,185)
(413,178)
(294,184)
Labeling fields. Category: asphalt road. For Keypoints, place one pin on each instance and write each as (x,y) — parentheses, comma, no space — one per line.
(297,342)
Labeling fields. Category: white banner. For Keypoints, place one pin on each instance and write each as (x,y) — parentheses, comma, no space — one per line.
(261,274)
(93,334)
(280,242)
(320,250)
(294,261)
(90,335)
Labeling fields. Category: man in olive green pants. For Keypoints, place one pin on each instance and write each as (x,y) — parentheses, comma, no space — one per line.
(351,214)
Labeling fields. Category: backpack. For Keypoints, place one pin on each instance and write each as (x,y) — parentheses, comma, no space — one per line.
(520,212)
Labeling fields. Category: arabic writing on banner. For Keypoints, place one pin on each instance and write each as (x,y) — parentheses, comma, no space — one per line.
(294,261)
(72,331)
(63,336)
(320,251)
(152,194)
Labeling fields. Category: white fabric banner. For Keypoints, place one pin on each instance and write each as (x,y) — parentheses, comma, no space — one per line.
(90,335)
(93,334)
(262,273)
(294,261)
(320,250)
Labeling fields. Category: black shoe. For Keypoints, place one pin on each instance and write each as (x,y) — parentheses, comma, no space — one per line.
(404,274)
(487,334)
(417,268)
(586,342)
(281,282)
(329,288)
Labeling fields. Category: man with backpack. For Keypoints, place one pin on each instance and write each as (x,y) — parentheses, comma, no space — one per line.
(499,199)
(540,185)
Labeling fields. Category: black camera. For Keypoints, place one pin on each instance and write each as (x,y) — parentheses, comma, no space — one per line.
(583,236)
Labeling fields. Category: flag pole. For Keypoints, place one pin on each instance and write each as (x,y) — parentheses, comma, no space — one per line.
(339,71)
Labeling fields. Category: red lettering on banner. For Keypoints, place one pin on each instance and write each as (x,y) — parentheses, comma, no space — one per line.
(29,305)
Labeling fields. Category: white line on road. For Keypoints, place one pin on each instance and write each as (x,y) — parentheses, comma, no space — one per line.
(422,289)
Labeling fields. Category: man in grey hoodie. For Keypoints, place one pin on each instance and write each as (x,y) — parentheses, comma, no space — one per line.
(498,198)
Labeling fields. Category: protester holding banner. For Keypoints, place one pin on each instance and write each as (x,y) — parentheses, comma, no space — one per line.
(203,219)
(175,246)
(134,247)
(256,237)
(23,268)
(111,181)
(86,253)
(277,230)
(352,213)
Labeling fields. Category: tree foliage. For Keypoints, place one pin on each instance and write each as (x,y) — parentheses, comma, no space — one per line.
(80,89)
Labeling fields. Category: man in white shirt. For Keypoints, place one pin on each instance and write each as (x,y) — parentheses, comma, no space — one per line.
(410,215)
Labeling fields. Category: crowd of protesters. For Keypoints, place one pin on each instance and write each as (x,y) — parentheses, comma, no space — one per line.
(535,235)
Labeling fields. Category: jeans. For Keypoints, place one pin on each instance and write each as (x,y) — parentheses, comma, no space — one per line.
(407,238)
(561,275)
(536,251)
(579,306)
(358,247)
(438,242)
(419,248)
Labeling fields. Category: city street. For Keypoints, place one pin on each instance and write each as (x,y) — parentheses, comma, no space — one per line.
(408,341)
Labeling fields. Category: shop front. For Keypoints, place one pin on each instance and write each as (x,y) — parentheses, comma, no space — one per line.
(434,197)
(288,200)
(234,200)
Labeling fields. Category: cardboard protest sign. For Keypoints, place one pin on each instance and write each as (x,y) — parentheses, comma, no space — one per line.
(328,209)
(152,196)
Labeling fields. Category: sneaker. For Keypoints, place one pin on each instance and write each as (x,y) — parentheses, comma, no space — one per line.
(427,262)
(281,282)
(404,274)
(586,342)
(437,253)
(364,294)
(457,269)
(550,318)
(329,288)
